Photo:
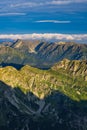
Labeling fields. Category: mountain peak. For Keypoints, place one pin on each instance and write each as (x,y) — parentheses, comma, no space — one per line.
(61,42)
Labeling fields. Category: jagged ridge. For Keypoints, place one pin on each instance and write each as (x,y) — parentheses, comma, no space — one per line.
(41,54)
(42,82)
(75,67)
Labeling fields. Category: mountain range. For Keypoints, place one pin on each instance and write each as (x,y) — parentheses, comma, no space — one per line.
(40,54)
(43,85)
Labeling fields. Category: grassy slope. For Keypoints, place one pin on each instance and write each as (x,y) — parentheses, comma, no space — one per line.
(43,82)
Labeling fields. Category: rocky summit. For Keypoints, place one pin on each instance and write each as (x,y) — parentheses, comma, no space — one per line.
(53,99)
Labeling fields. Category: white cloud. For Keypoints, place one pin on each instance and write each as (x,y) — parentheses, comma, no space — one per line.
(11,14)
(52,21)
(64,2)
(26,4)
(46,36)
(55,2)
(51,2)
(44,3)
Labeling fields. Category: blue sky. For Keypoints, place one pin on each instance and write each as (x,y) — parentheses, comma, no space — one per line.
(43,16)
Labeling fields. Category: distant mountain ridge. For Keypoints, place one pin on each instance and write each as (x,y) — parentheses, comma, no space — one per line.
(39,53)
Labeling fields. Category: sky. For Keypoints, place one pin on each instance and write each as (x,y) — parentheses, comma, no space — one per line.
(66,17)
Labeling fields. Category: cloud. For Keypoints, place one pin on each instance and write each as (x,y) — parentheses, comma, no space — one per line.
(11,14)
(55,2)
(43,3)
(35,4)
(52,21)
(26,4)
(65,2)
(47,36)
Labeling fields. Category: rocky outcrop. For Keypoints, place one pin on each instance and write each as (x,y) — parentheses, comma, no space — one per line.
(75,67)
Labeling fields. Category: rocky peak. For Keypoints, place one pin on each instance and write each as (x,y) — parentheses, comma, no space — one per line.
(77,67)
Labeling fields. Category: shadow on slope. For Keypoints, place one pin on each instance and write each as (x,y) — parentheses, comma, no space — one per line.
(19,111)
(17,66)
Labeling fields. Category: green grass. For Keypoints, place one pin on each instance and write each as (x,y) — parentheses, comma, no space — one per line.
(30,79)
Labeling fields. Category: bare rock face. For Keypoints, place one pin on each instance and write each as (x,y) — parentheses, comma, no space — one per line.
(76,67)
(85,78)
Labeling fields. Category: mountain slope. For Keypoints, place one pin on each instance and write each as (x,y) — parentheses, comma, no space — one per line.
(75,67)
(34,99)
(25,45)
(41,54)
(61,77)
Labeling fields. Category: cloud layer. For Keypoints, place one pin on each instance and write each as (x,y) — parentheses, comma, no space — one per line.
(52,21)
(12,14)
(46,36)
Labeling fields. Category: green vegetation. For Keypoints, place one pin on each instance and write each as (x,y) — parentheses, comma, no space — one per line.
(45,99)
(63,77)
